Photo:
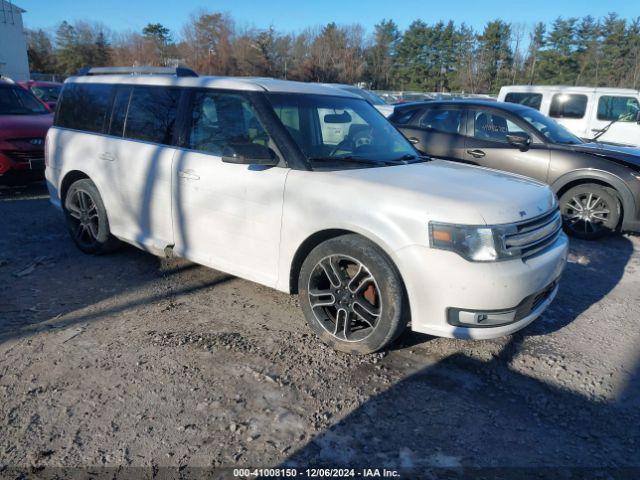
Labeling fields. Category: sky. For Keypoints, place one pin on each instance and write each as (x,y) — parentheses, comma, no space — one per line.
(295,15)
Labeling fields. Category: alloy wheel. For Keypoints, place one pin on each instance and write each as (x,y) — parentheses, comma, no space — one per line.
(345,297)
(83,216)
(586,213)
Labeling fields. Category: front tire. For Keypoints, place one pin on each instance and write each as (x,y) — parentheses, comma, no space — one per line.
(352,295)
(87,219)
(590,211)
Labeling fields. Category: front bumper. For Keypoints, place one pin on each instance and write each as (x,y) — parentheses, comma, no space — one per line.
(438,281)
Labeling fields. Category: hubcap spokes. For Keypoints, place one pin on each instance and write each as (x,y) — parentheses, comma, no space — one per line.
(344,297)
(586,213)
(84,215)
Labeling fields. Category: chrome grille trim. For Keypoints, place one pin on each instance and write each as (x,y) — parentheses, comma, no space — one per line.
(528,238)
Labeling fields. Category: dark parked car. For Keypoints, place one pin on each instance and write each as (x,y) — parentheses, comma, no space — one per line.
(24,122)
(598,185)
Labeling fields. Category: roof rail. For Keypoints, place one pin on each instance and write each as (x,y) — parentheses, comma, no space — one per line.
(177,71)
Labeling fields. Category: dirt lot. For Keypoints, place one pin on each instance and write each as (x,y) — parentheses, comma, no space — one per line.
(133,360)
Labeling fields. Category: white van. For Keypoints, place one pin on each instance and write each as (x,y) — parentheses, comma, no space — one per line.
(238,174)
(608,114)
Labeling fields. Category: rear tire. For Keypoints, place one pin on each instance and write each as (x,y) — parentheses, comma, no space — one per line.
(87,219)
(590,211)
(352,295)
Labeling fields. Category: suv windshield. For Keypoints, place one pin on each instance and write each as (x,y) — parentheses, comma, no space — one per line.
(17,101)
(334,132)
(552,130)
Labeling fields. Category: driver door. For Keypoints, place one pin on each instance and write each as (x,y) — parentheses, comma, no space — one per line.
(486,144)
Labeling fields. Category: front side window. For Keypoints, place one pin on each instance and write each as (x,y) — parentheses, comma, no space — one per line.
(533,100)
(493,127)
(334,132)
(151,115)
(565,105)
(17,101)
(440,120)
(620,109)
(84,106)
(223,120)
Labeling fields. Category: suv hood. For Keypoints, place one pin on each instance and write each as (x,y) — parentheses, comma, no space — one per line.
(628,156)
(457,193)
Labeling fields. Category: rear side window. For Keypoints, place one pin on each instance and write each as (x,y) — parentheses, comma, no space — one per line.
(403,117)
(564,105)
(152,114)
(621,109)
(220,120)
(119,110)
(84,106)
(440,120)
(533,100)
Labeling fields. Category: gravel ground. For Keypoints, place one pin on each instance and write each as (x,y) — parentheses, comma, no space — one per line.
(134,360)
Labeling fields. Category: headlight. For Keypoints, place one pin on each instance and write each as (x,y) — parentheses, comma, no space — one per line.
(478,244)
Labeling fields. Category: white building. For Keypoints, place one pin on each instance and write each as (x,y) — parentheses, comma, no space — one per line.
(13,43)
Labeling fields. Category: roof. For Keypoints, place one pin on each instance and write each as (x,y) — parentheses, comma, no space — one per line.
(259,84)
(505,106)
(567,88)
(7,3)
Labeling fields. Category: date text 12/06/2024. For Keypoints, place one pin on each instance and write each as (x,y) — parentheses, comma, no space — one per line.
(315,473)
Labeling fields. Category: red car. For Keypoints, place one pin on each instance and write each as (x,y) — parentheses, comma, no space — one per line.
(24,122)
(47,92)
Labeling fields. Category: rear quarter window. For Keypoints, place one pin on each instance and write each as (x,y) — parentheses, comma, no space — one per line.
(152,114)
(533,100)
(84,106)
(568,105)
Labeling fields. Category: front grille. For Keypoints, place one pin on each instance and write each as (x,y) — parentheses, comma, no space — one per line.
(25,155)
(535,235)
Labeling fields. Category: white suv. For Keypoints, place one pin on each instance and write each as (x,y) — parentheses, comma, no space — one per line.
(307,189)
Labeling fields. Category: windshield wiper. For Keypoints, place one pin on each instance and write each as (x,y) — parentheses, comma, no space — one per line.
(405,159)
(352,159)
(604,130)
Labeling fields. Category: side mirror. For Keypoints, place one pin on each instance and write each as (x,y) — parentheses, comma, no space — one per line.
(250,154)
(520,140)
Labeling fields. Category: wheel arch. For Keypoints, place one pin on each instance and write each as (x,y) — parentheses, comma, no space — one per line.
(316,238)
(69,179)
(599,177)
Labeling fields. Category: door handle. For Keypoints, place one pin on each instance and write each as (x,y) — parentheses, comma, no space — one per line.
(107,157)
(188,175)
(413,140)
(476,153)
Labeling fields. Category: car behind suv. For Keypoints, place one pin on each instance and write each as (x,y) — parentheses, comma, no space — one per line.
(253,177)
(598,185)
(24,122)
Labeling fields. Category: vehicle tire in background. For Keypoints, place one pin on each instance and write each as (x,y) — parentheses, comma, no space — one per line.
(590,211)
(352,295)
(87,219)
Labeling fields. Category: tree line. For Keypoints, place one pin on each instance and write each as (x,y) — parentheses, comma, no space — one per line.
(443,56)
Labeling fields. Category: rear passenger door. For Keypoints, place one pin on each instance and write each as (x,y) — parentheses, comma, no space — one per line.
(486,145)
(139,154)
(226,216)
(438,132)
